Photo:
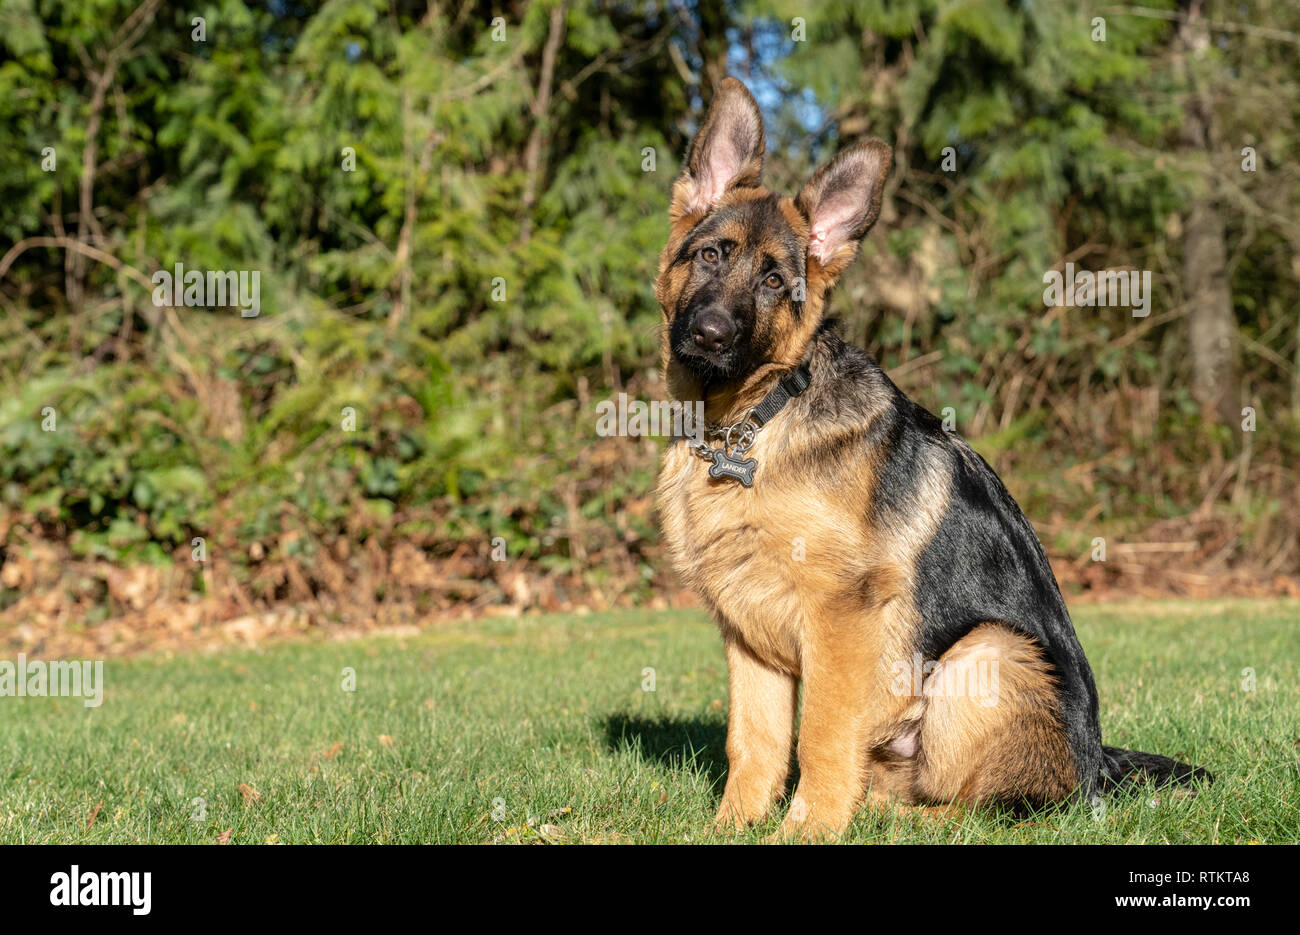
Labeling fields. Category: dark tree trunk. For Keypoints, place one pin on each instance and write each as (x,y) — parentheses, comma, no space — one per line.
(1211,324)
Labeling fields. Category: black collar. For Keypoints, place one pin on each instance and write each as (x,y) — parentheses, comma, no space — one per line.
(787,388)
(729,461)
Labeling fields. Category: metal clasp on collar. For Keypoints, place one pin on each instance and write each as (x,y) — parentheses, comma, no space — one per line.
(737,438)
(740,435)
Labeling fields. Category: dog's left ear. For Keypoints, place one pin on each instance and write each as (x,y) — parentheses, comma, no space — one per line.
(842,202)
(726,153)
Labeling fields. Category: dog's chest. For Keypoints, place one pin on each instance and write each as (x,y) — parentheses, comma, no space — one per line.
(757,557)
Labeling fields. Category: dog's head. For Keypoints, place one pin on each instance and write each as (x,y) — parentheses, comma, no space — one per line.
(743,279)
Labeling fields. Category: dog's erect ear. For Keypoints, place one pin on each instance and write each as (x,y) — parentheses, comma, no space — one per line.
(842,202)
(726,153)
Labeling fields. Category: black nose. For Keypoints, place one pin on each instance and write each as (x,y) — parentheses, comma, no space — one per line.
(713,330)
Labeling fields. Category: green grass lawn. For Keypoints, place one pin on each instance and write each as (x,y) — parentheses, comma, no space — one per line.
(539,729)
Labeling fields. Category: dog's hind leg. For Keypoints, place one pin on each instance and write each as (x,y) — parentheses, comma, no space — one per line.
(989,726)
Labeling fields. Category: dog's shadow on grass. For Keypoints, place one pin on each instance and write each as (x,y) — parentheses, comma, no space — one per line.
(682,743)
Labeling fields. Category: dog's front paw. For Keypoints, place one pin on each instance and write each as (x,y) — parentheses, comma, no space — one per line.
(733,817)
(811,823)
(741,807)
(729,820)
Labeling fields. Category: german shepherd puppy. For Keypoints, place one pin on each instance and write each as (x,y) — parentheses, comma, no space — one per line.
(842,537)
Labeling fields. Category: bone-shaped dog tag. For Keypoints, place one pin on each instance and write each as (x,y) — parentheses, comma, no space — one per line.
(726,466)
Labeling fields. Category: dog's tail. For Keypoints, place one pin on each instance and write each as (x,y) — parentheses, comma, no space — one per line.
(1128,768)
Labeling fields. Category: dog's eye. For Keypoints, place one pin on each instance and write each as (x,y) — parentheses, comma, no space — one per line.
(774,281)
(709,254)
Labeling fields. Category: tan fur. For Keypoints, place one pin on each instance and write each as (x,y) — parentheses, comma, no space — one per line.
(762,713)
(1015,747)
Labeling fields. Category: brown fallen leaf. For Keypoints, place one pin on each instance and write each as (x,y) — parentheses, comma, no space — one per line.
(250,794)
(94,812)
(329,754)
(224,837)
(386,740)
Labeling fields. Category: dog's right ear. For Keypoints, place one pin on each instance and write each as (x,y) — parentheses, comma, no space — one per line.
(726,153)
(842,202)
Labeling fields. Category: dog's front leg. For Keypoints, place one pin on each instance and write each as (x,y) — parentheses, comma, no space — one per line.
(838,691)
(760,733)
